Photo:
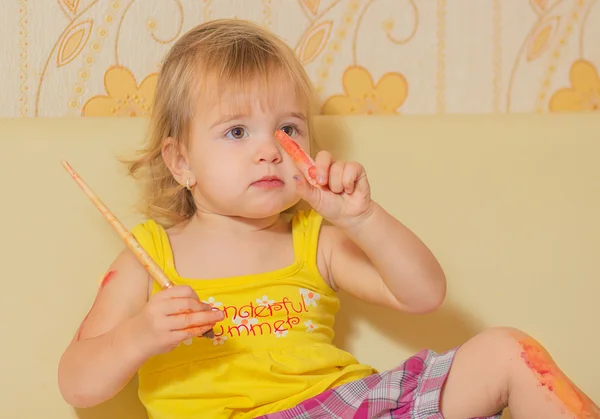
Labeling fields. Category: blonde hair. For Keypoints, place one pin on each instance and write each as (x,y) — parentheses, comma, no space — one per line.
(234,55)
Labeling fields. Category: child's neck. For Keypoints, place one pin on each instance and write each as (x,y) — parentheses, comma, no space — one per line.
(231,224)
(257,246)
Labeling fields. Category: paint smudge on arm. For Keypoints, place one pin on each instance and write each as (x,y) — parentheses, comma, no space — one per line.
(550,376)
(107,278)
(105,281)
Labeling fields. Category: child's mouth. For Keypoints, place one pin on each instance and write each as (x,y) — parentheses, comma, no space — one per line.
(268,182)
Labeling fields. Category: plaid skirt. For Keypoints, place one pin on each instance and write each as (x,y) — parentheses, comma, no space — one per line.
(410,391)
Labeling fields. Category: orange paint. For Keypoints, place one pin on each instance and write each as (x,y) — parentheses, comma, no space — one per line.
(107,278)
(302,160)
(550,376)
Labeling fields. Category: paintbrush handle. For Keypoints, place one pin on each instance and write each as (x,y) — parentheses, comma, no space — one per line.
(151,266)
(153,269)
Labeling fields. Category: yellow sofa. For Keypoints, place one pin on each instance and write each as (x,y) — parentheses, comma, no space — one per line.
(509,204)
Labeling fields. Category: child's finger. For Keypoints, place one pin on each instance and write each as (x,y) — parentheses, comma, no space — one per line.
(192,332)
(323,162)
(178,291)
(361,183)
(352,173)
(182,305)
(195,319)
(308,192)
(298,155)
(335,177)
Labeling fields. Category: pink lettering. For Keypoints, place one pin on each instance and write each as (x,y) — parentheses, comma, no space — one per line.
(260,309)
(287,300)
(221,333)
(226,312)
(278,325)
(304,303)
(246,311)
(237,329)
(259,326)
(292,321)
(250,310)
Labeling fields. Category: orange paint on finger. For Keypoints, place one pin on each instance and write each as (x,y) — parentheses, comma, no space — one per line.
(302,160)
(550,376)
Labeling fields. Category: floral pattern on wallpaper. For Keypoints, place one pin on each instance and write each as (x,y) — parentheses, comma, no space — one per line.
(92,57)
(123,96)
(584,92)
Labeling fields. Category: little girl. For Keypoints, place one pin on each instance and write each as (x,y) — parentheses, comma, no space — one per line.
(220,197)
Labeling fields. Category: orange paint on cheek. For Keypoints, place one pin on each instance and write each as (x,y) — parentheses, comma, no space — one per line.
(551,377)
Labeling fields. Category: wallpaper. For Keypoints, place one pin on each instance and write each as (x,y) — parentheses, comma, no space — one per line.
(101,57)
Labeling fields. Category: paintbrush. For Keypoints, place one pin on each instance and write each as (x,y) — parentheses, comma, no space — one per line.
(146,260)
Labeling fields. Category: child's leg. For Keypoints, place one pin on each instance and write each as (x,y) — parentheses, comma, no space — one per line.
(506,368)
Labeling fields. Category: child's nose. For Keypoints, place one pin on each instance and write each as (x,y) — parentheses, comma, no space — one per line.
(269,152)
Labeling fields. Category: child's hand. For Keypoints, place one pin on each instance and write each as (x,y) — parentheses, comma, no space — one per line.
(170,317)
(343,194)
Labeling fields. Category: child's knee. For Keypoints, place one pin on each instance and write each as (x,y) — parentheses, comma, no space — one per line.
(486,361)
(503,337)
(504,333)
(510,347)
(497,353)
(503,345)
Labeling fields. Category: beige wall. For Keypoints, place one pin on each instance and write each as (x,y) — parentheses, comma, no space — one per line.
(411,56)
(509,204)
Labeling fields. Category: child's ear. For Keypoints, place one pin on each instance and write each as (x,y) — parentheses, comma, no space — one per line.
(176,160)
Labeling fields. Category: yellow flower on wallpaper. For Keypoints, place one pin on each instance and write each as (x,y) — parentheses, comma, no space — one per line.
(363,96)
(584,93)
(125,97)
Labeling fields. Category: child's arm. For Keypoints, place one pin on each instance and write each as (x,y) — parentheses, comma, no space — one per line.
(122,331)
(367,252)
(103,356)
(381,261)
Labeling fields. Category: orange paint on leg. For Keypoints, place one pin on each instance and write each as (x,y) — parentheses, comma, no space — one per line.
(550,376)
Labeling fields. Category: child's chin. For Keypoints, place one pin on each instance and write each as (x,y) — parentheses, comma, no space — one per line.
(267,210)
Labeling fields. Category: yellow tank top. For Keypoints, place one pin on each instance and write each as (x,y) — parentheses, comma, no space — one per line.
(273,349)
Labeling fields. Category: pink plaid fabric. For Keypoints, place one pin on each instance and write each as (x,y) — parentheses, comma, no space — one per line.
(410,391)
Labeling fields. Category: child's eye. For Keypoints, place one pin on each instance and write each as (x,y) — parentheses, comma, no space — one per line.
(236,133)
(290,130)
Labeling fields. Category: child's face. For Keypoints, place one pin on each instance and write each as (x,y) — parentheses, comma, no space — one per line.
(238,165)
